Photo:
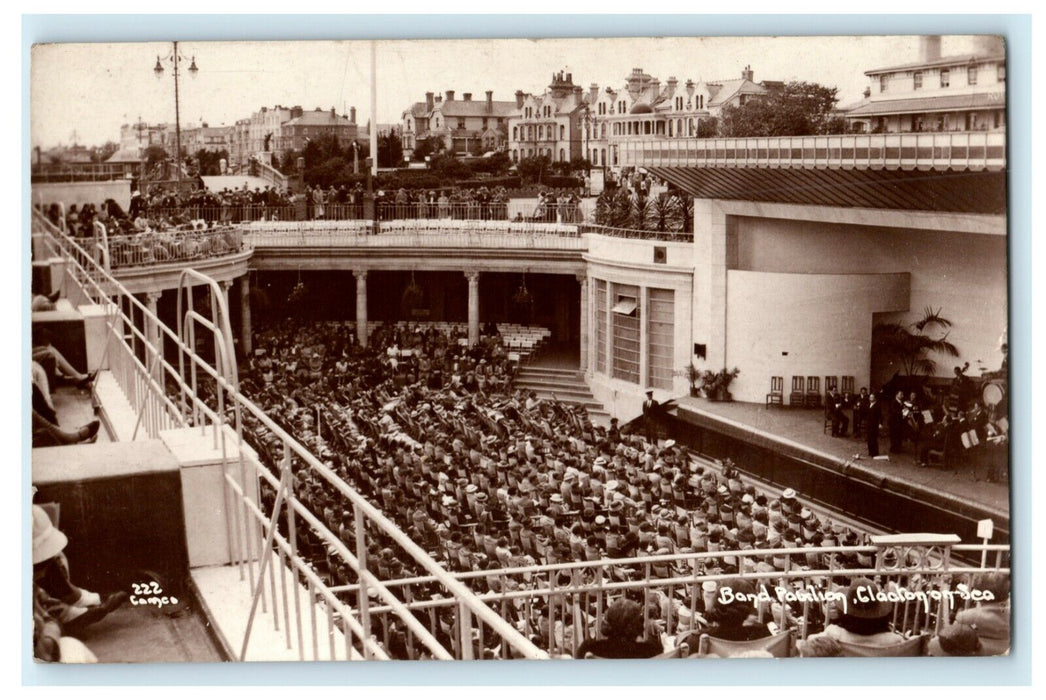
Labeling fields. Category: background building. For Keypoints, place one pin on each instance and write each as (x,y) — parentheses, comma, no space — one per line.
(935,93)
(465,126)
(550,124)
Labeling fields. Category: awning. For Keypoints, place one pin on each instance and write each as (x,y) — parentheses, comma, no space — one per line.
(973,192)
(625,307)
(917,105)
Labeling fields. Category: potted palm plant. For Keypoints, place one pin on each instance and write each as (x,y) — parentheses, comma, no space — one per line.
(715,385)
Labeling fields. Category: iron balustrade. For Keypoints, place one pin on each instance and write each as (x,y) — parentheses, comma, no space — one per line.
(640,234)
(196,394)
(174,246)
(241,212)
(974,150)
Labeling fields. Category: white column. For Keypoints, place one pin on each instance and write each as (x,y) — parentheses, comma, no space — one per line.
(644,342)
(473,277)
(361,306)
(245,314)
(609,341)
(583,364)
(154,354)
(710,273)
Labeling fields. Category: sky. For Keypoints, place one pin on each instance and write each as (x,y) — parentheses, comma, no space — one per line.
(87,91)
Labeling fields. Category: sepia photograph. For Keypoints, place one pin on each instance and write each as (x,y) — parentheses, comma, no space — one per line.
(677,348)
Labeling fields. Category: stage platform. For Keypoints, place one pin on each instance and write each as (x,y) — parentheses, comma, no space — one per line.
(796,436)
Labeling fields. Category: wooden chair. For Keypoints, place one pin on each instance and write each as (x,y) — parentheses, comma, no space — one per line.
(780,645)
(829,384)
(798,395)
(776,395)
(916,646)
(813,392)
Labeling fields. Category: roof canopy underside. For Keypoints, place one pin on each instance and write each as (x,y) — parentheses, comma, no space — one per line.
(969,192)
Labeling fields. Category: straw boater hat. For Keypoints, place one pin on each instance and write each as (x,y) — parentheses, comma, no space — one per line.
(788,495)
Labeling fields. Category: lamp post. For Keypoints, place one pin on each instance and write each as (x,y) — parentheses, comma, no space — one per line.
(158,70)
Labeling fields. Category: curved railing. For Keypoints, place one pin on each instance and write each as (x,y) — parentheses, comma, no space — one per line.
(157,248)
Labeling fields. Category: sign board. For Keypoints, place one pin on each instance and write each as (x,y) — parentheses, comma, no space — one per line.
(985,528)
(596,182)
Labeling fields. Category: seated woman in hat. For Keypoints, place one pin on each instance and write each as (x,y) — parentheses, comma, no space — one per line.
(622,627)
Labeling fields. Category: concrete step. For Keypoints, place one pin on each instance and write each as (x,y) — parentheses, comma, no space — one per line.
(542,382)
(557,374)
(531,369)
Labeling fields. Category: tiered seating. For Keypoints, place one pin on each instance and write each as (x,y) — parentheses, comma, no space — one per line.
(523,339)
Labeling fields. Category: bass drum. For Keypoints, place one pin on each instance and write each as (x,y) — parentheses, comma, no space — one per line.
(993,392)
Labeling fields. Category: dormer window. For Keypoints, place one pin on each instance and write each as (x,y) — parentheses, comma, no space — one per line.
(917,80)
(946,78)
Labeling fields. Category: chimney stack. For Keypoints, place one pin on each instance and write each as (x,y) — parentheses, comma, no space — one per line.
(929,48)
(657,87)
(519,99)
(429,101)
(450,95)
(490,101)
(333,113)
(467,96)
(748,74)
(352,114)
(593,93)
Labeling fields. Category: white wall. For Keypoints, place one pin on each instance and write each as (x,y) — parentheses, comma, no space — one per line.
(630,261)
(782,324)
(963,275)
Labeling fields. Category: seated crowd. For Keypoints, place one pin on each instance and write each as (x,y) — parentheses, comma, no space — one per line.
(485,477)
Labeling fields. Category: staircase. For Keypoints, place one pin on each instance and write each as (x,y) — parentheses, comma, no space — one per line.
(567,384)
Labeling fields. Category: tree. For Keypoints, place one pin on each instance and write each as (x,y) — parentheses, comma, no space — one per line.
(798,109)
(210,161)
(533,168)
(155,154)
(390,151)
(708,128)
(898,341)
(321,149)
(429,146)
(102,153)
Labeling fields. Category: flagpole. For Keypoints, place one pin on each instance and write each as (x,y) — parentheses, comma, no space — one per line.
(373,108)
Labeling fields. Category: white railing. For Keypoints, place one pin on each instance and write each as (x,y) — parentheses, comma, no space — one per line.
(416,233)
(572,597)
(974,150)
(196,394)
(174,246)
